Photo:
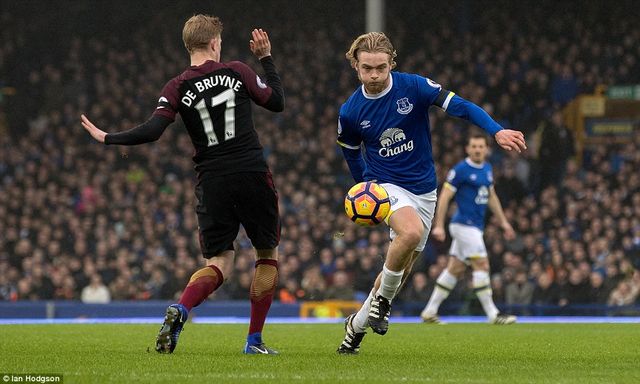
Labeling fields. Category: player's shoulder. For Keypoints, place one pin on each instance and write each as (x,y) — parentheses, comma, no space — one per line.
(403,79)
(237,65)
(415,81)
(461,166)
(174,82)
(457,171)
(244,70)
(350,105)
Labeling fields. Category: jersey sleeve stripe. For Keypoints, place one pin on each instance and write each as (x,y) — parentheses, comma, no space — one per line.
(450,186)
(443,99)
(347,145)
(445,105)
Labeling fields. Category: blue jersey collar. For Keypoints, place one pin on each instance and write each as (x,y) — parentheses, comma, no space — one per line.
(474,165)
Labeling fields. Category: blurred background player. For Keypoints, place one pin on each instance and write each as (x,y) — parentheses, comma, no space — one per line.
(471,182)
(388,116)
(234,185)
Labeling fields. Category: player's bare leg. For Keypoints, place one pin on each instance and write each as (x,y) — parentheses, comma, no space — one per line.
(444,285)
(482,289)
(263,288)
(408,226)
(201,284)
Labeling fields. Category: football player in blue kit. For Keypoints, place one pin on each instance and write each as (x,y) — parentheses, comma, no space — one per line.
(471,183)
(384,132)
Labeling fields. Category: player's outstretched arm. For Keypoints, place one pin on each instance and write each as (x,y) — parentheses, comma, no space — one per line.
(508,139)
(94,131)
(150,131)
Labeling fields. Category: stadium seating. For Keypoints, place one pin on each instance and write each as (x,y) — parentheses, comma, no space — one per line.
(71,209)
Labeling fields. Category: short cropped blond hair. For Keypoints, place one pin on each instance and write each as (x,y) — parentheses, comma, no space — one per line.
(371,42)
(199,30)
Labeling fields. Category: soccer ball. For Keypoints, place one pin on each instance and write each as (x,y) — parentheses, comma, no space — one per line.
(367,204)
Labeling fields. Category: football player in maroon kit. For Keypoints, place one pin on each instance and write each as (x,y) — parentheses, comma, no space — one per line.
(234,185)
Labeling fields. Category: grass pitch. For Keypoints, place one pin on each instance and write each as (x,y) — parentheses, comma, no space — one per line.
(411,353)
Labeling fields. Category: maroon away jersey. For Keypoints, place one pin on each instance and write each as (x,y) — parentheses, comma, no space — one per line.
(214,101)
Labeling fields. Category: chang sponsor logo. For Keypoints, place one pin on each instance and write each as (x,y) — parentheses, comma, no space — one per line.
(393,142)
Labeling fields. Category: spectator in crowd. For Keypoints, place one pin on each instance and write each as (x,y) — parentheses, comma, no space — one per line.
(564,86)
(577,289)
(555,149)
(313,284)
(417,290)
(598,293)
(508,186)
(498,288)
(290,292)
(546,292)
(95,292)
(7,290)
(520,291)
(624,294)
(341,289)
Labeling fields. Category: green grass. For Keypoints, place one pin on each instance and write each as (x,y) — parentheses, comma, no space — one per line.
(411,353)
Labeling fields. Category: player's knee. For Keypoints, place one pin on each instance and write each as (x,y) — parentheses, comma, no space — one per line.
(456,270)
(412,236)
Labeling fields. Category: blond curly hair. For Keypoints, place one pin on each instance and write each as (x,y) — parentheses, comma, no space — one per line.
(371,42)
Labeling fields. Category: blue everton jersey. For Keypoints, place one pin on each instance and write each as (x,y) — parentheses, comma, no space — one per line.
(392,128)
(471,182)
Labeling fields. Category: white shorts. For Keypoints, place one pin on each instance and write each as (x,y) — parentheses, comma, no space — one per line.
(424,204)
(467,242)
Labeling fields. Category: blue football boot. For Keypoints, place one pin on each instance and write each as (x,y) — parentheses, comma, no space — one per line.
(255,346)
(174,319)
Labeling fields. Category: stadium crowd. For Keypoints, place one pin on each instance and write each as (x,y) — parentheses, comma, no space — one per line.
(79,220)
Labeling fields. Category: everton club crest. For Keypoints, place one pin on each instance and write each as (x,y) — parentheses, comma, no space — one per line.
(404,106)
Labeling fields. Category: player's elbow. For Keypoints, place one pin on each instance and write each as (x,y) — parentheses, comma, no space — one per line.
(275,104)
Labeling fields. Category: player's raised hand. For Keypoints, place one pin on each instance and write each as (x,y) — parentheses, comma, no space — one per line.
(260,44)
(510,140)
(438,233)
(95,132)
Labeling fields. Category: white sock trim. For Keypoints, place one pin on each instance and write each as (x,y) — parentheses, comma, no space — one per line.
(481,279)
(485,296)
(439,294)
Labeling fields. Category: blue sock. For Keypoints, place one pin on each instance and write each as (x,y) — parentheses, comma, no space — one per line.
(254,338)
